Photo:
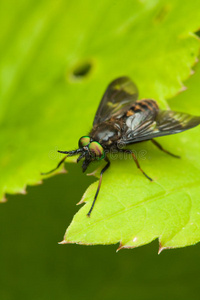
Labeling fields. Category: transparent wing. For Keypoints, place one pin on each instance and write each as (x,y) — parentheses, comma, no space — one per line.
(119,96)
(143,126)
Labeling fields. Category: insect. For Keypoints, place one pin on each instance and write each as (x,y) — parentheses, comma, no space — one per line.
(122,119)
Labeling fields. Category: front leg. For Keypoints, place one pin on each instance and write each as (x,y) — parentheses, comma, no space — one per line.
(99,185)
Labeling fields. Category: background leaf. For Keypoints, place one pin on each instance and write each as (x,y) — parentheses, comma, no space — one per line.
(45,45)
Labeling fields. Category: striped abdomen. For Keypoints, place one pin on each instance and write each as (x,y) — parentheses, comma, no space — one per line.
(142,106)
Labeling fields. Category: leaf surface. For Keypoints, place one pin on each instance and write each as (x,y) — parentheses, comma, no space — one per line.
(133,211)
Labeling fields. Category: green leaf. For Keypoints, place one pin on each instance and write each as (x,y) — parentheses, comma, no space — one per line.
(133,211)
(57,58)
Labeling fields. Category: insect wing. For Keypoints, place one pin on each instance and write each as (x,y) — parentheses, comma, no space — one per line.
(119,96)
(171,121)
(144,127)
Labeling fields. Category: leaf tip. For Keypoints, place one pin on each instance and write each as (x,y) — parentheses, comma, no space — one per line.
(39,182)
(192,72)
(121,246)
(183,88)
(22,191)
(82,199)
(161,248)
(3,200)
(94,173)
(62,171)
(63,242)
(91,174)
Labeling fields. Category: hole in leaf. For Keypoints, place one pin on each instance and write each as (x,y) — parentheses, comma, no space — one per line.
(198,33)
(82,70)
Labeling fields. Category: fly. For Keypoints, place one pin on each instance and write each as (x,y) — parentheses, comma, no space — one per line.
(122,119)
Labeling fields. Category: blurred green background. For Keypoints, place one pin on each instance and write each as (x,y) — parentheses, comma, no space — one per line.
(33,265)
(44,42)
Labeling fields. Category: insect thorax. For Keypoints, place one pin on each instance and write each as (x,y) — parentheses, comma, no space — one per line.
(106,133)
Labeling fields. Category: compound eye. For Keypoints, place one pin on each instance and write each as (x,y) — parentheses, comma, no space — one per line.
(84,141)
(96,150)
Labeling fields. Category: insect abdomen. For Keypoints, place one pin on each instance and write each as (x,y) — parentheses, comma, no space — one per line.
(143,105)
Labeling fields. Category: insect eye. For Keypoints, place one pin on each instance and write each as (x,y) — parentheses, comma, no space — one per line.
(84,141)
(96,150)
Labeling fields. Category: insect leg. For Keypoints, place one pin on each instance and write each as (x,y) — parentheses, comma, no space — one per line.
(99,185)
(60,163)
(137,163)
(161,148)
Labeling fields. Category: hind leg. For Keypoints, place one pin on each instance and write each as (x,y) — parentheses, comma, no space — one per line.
(162,149)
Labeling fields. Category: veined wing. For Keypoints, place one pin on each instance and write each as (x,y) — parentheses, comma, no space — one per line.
(145,126)
(119,96)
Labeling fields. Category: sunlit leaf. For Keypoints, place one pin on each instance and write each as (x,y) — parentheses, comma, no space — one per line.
(133,211)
